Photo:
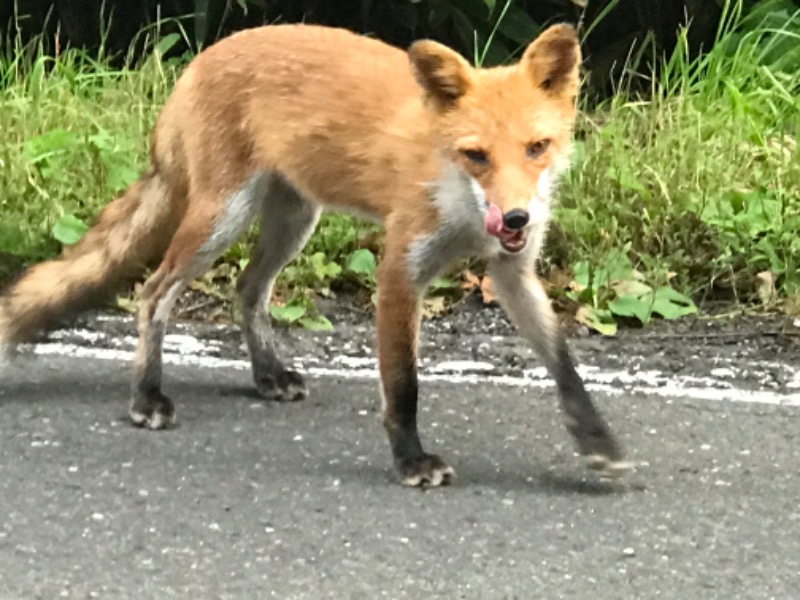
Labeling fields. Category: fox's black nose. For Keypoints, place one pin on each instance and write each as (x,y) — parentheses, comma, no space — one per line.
(516,218)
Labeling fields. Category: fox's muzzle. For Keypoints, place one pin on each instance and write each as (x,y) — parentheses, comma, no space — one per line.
(507,228)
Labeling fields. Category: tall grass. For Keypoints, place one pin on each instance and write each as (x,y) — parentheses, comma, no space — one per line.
(698,181)
(701,176)
(74,132)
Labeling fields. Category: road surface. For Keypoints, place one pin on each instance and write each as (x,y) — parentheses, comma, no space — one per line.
(247,499)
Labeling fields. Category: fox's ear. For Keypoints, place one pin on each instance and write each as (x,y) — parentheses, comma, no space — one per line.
(553,58)
(443,73)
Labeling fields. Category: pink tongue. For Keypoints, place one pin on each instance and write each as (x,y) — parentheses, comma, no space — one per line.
(493,220)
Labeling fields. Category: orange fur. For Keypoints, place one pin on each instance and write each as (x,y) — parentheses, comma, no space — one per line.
(131,232)
(280,121)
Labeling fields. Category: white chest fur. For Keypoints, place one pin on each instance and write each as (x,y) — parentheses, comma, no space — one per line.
(461,204)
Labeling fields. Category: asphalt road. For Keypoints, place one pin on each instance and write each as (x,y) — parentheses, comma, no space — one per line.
(255,500)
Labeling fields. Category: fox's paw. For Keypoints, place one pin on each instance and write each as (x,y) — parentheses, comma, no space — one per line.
(427,471)
(286,386)
(606,468)
(601,450)
(153,411)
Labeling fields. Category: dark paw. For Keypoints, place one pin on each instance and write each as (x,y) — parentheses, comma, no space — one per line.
(287,386)
(426,471)
(152,410)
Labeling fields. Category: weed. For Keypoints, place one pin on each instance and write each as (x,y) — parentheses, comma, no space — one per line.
(300,311)
(75,132)
(692,190)
(702,178)
(616,289)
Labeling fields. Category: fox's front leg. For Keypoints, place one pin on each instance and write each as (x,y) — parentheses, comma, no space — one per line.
(398,317)
(528,306)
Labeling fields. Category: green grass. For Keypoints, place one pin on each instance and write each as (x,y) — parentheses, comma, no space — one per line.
(74,131)
(694,186)
(702,176)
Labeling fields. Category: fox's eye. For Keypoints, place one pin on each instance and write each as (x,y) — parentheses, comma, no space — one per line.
(476,156)
(536,149)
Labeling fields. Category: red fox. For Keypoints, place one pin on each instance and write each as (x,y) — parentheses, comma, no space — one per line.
(281,122)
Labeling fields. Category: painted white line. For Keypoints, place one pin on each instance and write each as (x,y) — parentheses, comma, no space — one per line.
(718,386)
(118,354)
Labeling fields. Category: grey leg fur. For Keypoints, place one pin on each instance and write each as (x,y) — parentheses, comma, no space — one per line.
(149,406)
(182,262)
(528,306)
(287,221)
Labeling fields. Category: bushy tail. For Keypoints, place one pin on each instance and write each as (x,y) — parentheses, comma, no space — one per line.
(131,232)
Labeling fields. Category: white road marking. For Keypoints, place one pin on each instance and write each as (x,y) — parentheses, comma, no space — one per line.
(720,384)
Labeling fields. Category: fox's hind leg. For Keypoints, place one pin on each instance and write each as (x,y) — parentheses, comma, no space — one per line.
(287,221)
(206,230)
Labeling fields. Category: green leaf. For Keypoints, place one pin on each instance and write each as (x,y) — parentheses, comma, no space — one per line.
(362,262)
(627,180)
(323,270)
(69,229)
(318,323)
(671,304)
(166,43)
(518,26)
(631,287)
(287,314)
(201,26)
(118,157)
(617,267)
(598,319)
(38,75)
(633,306)
(120,175)
(48,144)
(578,156)
(581,274)
(442,283)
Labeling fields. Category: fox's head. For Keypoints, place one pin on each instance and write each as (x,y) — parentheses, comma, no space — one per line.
(507,128)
